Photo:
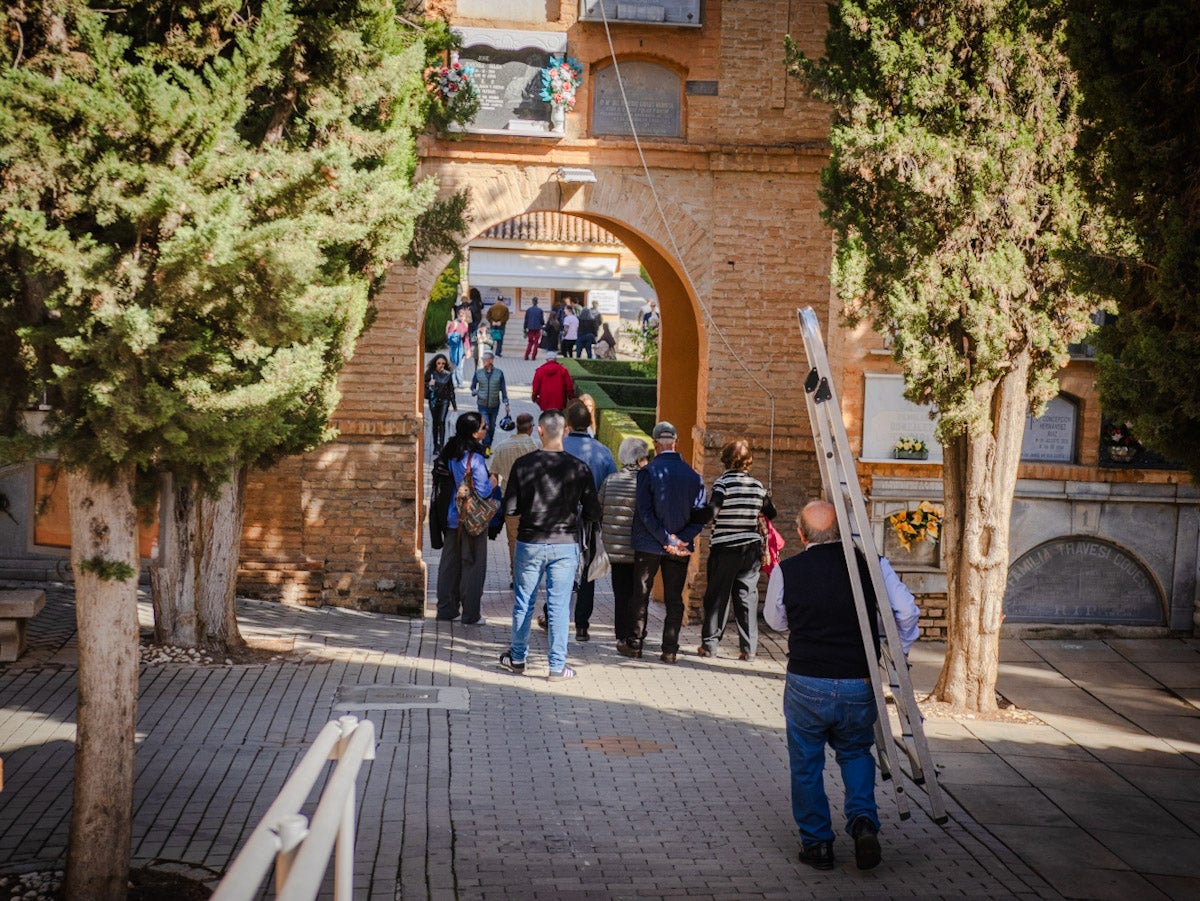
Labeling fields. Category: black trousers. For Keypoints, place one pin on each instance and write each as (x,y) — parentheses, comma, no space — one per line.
(674,575)
(732,576)
(624,591)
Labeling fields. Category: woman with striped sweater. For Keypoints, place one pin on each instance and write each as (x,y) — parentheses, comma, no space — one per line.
(735,552)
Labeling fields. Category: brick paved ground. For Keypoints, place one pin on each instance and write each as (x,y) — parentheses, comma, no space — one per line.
(636,779)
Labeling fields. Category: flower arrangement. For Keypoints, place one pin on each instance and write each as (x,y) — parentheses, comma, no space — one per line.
(1115,435)
(453,90)
(560,80)
(922,524)
(911,446)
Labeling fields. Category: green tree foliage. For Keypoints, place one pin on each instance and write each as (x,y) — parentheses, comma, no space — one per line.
(951,198)
(1139,70)
(196,201)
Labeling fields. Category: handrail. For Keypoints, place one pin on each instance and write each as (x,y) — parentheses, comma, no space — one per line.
(284,838)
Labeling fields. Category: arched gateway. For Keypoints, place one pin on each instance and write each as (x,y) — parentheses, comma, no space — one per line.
(733,245)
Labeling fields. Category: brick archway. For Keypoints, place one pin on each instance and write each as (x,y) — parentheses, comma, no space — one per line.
(342,524)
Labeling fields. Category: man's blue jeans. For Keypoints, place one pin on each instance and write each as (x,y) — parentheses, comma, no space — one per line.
(558,562)
(840,712)
(490,416)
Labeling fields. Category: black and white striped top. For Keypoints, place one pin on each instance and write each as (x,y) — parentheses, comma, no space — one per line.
(739,498)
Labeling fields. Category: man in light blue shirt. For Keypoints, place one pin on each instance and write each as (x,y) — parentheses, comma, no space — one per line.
(578,443)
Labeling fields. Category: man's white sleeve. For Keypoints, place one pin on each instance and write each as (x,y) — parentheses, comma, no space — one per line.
(773,609)
(903,604)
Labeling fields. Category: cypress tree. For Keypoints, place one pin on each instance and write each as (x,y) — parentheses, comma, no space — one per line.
(197,200)
(950,194)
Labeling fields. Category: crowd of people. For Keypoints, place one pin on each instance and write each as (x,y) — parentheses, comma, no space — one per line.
(572,515)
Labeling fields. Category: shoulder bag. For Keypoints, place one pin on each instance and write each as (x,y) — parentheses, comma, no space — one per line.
(474,511)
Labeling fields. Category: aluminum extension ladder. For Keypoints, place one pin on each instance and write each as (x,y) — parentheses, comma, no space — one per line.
(842,489)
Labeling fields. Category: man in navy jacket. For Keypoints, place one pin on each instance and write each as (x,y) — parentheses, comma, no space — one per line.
(670,513)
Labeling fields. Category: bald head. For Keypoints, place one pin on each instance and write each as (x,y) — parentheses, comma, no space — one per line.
(818,523)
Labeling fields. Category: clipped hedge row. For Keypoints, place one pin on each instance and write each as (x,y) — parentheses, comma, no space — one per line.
(615,424)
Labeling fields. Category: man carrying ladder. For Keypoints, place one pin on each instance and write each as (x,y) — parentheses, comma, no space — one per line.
(827,698)
(827,596)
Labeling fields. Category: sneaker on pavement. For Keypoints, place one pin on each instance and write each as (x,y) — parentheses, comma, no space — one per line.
(561,675)
(506,661)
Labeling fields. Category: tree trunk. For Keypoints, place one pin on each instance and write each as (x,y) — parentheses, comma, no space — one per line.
(173,573)
(105,562)
(979,476)
(195,576)
(219,530)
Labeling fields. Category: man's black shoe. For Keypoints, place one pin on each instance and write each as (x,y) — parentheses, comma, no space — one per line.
(819,856)
(581,634)
(866,844)
(625,649)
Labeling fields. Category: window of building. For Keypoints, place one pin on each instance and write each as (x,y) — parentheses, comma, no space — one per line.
(655,95)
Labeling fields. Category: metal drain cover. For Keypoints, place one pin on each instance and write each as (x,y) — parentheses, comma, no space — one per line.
(400,697)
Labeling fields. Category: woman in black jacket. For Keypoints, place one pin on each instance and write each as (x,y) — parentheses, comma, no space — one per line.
(439,391)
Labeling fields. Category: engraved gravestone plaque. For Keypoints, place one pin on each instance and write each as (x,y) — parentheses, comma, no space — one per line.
(509,82)
(1081,580)
(655,100)
(1051,436)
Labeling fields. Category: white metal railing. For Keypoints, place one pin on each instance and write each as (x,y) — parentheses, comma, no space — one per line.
(300,851)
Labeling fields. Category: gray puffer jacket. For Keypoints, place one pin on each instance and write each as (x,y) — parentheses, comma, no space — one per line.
(618,497)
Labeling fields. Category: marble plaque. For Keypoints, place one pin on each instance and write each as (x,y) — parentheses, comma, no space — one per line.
(1051,436)
(609,301)
(533,11)
(1081,580)
(645,12)
(655,100)
(509,84)
(888,417)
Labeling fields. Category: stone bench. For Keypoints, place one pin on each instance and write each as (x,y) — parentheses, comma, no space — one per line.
(16,609)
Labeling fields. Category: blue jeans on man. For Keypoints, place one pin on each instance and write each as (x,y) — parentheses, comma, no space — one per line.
(584,345)
(840,712)
(490,416)
(558,562)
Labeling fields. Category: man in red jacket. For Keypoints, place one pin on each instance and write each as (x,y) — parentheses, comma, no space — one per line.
(552,384)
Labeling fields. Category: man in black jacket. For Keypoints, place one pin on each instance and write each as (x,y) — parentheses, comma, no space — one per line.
(828,697)
(547,488)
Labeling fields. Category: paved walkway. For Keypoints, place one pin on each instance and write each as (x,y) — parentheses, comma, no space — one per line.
(634,780)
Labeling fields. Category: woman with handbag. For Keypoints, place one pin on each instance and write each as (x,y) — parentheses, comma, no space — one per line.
(463,565)
(735,552)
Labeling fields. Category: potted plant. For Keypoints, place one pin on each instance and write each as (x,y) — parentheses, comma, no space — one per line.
(911,449)
(1120,441)
(914,526)
(560,80)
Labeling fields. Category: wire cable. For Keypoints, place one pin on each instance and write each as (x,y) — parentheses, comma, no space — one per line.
(709,321)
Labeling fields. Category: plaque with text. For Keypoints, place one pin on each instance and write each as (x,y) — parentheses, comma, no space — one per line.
(1081,580)
(509,83)
(888,416)
(1051,437)
(655,95)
